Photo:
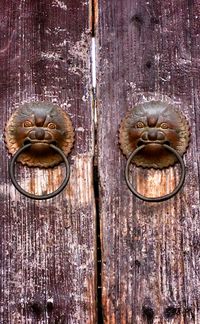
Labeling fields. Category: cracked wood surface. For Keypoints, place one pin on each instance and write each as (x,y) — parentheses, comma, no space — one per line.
(150,252)
(47,247)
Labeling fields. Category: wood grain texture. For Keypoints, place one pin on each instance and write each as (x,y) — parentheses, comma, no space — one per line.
(150,252)
(47,247)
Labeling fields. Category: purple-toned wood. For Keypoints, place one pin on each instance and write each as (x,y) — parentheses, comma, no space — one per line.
(47,248)
(150,252)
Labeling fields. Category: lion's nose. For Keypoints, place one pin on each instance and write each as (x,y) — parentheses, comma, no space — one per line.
(39,134)
(152,135)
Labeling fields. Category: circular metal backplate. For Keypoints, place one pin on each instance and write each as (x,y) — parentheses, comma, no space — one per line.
(154,123)
(39,123)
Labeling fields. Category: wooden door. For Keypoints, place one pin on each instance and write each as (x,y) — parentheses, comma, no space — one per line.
(53,268)
(48,248)
(150,252)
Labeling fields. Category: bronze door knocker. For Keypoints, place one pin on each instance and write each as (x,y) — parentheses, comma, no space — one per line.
(154,135)
(39,134)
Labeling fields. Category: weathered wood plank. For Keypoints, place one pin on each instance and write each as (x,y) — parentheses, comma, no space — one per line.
(48,247)
(150,252)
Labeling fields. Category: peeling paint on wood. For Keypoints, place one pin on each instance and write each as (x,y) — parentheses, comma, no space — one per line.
(47,248)
(150,252)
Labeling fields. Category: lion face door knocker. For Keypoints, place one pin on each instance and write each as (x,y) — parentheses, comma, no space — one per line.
(154,135)
(39,134)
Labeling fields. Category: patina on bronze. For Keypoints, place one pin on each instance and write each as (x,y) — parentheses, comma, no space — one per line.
(154,135)
(154,123)
(41,124)
(39,134)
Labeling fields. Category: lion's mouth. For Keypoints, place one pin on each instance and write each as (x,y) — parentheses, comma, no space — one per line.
(151,142)
(36,141)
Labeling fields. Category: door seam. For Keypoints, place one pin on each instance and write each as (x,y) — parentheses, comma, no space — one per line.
(94,12)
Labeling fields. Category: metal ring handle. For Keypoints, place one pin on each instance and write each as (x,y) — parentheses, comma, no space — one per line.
(26,193)
(162,198)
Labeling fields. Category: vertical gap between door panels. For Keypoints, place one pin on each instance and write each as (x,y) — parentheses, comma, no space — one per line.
(95,165)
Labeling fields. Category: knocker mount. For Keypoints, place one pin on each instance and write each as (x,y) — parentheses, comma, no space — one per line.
(39,134)
(155,135)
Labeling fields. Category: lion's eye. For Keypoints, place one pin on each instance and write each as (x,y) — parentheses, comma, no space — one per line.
(164,125)
(51,126)
(28,123)
(140,125)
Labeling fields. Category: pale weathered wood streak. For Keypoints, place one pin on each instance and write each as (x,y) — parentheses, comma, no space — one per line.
(48,247)
(150,252)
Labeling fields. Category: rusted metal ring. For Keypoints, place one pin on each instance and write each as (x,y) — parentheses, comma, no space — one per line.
(28,194)
(162,198)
